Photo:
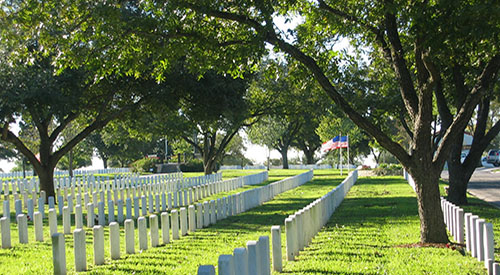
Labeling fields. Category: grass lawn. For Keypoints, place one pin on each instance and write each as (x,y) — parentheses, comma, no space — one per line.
(182,256)
(365,235)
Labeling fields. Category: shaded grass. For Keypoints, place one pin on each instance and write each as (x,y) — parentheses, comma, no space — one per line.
(363,235)
(181,256)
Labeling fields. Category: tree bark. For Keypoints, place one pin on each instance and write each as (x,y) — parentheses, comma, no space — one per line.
(457,193)
(105,162)
(284,156)
(70,162)
(432,228)
(209,166)
(309,156)
(46,177)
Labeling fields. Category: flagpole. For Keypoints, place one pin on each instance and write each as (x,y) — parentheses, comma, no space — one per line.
(348,155)
(340,153)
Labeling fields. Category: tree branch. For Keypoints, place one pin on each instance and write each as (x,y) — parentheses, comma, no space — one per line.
(21,147)
(399,64)
(482,85)
(271,37)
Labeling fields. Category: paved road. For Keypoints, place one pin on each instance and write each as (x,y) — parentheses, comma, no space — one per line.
(484,184)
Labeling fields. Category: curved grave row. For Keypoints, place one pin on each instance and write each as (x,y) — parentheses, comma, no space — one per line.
(300,227)
(178,222)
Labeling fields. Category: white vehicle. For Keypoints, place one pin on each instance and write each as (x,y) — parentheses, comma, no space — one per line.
(493,157)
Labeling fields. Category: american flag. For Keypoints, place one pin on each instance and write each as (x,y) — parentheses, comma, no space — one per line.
(331,144)
(344,142)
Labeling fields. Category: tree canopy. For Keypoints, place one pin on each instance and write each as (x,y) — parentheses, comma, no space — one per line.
(439,52)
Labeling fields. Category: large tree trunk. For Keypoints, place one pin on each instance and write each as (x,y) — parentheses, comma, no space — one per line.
(105,162)
(209,166)
(457,192)
(70,163)
(309,154)
(46,177)
(284,156)
(432,228)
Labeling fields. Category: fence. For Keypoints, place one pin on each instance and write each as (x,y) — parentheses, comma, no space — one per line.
(469,228)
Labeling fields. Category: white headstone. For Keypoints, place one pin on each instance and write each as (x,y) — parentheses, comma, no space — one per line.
(496,269)
(136,207)
(52,221)
(66,220)
(22,225)
(90,215)
(153,227)
(253,262)
(114,240)
(111,211)
(479,239)
(31,208)
(276,241)
(6,209)
(144,210)
(52,203)
(58,253)
(143,234)
(38,223)
(240,260)
(291,239)
(80,250)
(474,247)
(165,228)
(199,216)
(175,224)
(184,222)
(5,224)
(18,205)
(119,205)
(263,246)
(163,202)
(206,214)
(192,218)
(101,217)
(78,216)
(41,206)
(206,270)
(226,266)
(489,244)
(98,243)
(128,203)
(467,217)
(129,236)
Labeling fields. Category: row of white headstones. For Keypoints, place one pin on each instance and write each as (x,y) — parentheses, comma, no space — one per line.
(81,172)
(479,237)
(71,202)
(200,192)
(301,227)
(184,220)
(131,184)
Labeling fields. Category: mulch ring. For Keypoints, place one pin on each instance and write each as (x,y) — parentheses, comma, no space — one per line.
(453,246)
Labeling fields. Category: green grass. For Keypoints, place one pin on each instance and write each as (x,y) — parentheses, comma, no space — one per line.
(366,234)
(181,256)
(363,236)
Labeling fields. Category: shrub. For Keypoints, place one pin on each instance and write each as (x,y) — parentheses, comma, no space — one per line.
(193,165)
(385,169)
(144,165)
